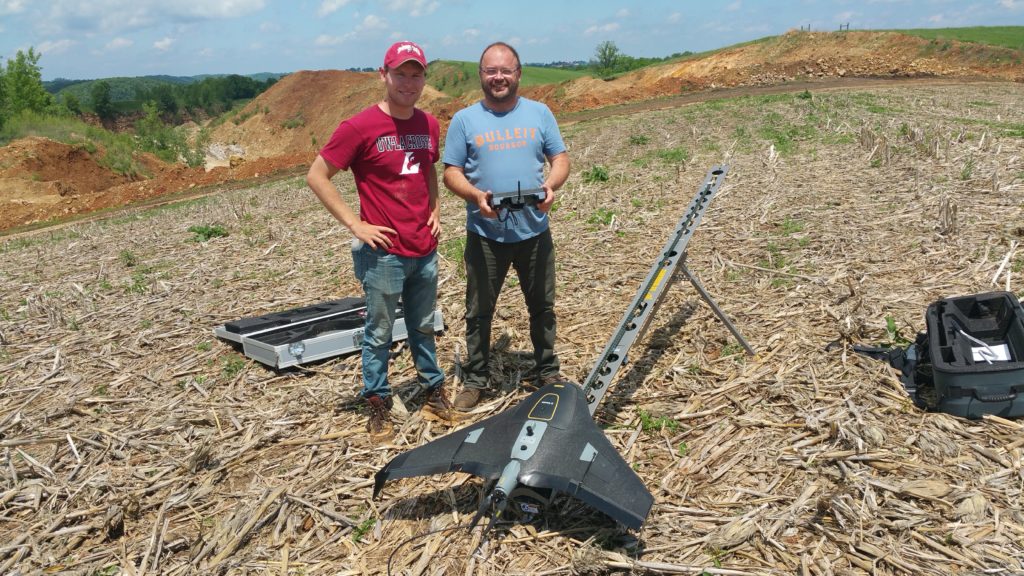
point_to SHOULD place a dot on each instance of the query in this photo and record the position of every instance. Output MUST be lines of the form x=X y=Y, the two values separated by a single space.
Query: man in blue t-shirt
x=501 y=144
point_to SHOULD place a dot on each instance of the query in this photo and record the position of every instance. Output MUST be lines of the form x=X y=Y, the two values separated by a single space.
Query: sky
x=86 y=39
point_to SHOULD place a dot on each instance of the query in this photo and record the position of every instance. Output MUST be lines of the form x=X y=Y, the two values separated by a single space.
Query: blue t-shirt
x=503 y=152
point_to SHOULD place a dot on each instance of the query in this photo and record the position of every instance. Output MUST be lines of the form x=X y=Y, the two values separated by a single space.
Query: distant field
x=454 y=78
x=1005 y=36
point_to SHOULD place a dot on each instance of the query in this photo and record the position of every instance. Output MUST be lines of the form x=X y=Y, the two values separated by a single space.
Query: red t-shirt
x=390 y=160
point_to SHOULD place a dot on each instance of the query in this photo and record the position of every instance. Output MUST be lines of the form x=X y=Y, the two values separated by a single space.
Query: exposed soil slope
x=791 y=57
x=283 y=127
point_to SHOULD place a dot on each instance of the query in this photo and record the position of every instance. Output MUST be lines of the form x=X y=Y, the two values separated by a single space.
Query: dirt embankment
x=282 y=129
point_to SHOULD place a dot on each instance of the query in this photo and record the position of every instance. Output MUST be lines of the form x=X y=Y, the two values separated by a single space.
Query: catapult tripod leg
x=711 y=302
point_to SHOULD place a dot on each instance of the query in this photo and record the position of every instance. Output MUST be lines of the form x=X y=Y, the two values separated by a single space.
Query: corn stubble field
x=133 y=441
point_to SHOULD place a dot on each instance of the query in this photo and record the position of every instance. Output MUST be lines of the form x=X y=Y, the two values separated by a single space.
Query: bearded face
x=499 y=75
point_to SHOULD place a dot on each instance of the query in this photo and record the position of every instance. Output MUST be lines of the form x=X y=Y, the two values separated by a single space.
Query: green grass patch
x=968 y=169
x=790 y=226
x=455 y=78
x=454 y=249
x=673 y=155
x=127 y=258
x=596 y=173
x=651 y=423
x=639 y=139
x=601 y=217
x=232 y=366
x=1005 y=36
x=296 y=121
x=206 y=232
x=892 y=331
x=783 y=134
x=364 y=527
x=138 y=284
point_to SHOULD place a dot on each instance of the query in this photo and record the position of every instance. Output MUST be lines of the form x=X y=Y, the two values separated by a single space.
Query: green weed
x=232 y=366
x=453 y=249
x=596 y=173
x=674 y=155
x=790 y=226
x=127 y=258
x=968 y=169
x=639 y=139
x=731 y=349
x=295 y=121
x=206 y=232
x=602 y=216
x=893 y=333
x=138 y=285
x=652 y=423
x=366 y=526
x=776 y=260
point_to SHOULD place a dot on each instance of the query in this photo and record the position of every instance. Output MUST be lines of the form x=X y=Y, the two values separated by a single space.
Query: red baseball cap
x=402 y=52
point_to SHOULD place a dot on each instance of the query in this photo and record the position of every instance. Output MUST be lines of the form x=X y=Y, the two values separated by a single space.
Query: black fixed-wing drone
x=549 y=443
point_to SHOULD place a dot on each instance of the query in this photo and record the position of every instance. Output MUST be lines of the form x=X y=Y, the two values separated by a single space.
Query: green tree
x=72 y=104
x=23 y=85
x=3 y=98
x=607 y=56
x=102 y=103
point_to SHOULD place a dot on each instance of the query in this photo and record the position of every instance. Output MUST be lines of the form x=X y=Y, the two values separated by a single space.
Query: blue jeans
x=386 y=277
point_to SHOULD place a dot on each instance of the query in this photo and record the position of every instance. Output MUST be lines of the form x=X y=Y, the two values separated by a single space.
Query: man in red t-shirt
x=391 y=148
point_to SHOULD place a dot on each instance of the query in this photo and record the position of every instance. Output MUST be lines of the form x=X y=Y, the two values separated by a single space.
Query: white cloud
x=414 y=8
x=845 y=17
x=467 y=36
x=735 y=6
x=675 y=17
x=119 y=15
x=324 y=40
x=163 y=44
x=270 y=27
x=937 y=18
x=372 y=22
x=55 y=47
x=118 y=43
x=11 y=7
x=330 y=6
x=1012 y=4
x=610 y=27
x=624 y=13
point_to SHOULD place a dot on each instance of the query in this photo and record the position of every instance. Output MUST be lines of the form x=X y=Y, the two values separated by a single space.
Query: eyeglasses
x=495 y=71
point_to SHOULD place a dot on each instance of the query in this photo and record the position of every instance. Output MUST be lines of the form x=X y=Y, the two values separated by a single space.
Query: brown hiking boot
x=467 y=399
x=379 y=424
x=438 y=407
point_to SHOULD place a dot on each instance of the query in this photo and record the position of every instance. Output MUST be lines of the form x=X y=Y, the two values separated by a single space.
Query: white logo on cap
x=407 y=48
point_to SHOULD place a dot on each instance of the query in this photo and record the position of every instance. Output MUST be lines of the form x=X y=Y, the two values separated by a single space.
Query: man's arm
x=319 y=179
x=557 y=176
x=456 y=181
